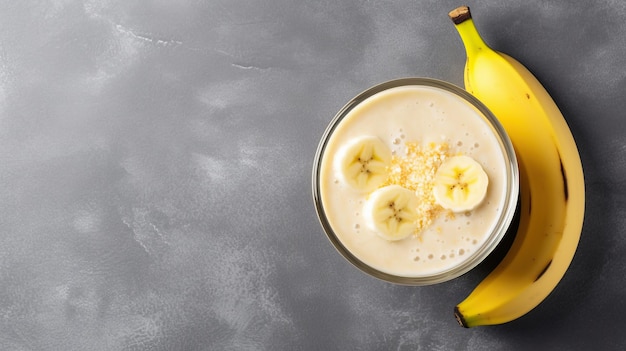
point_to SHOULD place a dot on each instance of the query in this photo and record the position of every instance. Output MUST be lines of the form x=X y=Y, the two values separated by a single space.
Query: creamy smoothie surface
x=414 y=132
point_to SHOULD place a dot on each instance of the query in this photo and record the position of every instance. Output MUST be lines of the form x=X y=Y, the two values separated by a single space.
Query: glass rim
x=503 y=221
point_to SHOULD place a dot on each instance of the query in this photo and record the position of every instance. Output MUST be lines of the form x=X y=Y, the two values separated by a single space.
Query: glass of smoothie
x=415 y=182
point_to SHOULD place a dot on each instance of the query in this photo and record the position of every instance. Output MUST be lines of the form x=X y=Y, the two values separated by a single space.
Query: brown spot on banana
x=565 y=189
x=543 y=271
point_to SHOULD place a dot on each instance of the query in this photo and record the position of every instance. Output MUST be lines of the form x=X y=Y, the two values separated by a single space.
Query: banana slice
x=363 y=163
x=391 y=212
x=460 y=184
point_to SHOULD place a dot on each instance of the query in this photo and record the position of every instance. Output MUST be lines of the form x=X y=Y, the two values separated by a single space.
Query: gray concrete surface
x=155 y=161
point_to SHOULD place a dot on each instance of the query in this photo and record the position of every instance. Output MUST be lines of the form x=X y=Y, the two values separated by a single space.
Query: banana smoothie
x=413 y=181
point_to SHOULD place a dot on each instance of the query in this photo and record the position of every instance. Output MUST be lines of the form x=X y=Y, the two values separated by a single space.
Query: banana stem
x=462 y=18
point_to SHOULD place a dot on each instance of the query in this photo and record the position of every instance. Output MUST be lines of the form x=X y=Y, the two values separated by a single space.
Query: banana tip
x=459 y=317
x=460 y=14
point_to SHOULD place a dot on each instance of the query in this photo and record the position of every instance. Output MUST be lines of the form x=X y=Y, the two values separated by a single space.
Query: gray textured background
x=155 y=161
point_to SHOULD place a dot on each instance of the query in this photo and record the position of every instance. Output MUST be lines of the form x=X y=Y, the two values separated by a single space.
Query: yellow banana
x=552 y=185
